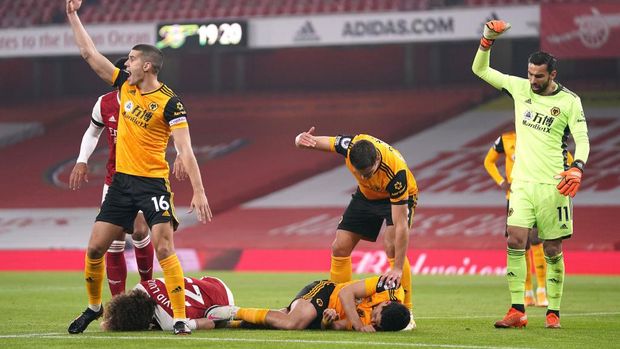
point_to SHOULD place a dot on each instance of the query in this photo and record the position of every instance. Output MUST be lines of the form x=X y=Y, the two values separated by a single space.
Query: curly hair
x=131 y=311
x=394 y=317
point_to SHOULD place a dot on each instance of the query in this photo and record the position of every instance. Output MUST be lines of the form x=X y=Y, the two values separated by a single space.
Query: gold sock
x=175 y=284
x=405 y=281
x=540 y=265
x=340 y=270
x=252 y=315
x=93 y=274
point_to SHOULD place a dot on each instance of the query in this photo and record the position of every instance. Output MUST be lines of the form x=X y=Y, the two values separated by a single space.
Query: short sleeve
x=119 y=77
x=397 y=188
x=498 y=146
x=175 y=113
x=341 y=144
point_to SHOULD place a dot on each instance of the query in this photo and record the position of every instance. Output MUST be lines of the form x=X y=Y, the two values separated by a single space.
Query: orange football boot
x=552 y=321
x=513 y=318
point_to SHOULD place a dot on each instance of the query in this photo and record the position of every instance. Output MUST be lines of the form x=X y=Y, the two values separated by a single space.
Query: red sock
x=144 y=257
x=116 y=268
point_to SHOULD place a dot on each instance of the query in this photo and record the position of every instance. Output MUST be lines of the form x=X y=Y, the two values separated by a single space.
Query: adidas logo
x=306 y=33
x=114 y=282
x=528 y=101
x=166 y=214
x=89 y=279
x=511 y=274
x=563 y=226
x=177 y=290
x=112 y=119
x=554 y=280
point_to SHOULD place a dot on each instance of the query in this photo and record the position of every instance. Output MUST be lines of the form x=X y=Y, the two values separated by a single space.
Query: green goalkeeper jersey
x=542 y=124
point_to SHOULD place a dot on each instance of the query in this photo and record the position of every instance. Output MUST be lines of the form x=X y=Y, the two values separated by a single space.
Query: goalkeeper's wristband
x=486 y=43
x=578 y=164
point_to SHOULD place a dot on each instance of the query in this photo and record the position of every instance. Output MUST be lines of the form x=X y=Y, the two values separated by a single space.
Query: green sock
x=515 y=273
x=555 y=280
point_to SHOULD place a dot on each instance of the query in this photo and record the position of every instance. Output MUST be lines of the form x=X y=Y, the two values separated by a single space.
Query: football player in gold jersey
x=149 y=113
x=361 y=305
x=387 y=191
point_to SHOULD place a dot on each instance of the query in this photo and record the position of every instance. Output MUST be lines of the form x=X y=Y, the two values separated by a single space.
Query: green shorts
x=541 y=205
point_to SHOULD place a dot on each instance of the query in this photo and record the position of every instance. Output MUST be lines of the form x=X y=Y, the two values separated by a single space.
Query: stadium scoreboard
x=201 y=35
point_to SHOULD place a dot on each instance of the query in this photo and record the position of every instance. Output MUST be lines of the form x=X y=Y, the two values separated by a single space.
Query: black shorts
x=318 y=294
x=365 y=217
x=128 y=194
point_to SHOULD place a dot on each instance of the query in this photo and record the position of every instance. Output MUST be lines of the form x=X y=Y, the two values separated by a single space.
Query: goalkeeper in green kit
x=543 y=182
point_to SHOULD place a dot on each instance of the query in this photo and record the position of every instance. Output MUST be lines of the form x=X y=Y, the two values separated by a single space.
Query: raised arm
x=101 y=65
x=182 y=143
x=306 y=140
x=481 y=66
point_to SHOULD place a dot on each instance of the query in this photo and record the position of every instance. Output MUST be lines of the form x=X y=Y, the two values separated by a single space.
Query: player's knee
x=552 y=248
x=516 y=239
x=140 y=233
x=340 y=249
x=140 y=229
x=164 y=252
x=95 y=252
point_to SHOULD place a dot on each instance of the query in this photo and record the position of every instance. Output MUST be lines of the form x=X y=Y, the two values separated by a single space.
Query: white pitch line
x=493 y=316
x=258 y=340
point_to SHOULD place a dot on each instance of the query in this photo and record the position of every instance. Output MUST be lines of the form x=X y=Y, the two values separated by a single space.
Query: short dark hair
x=152 y=55
x=131 y=311
x=120 y=63
x=394 y=317
x=363 y=154
x=541 y=57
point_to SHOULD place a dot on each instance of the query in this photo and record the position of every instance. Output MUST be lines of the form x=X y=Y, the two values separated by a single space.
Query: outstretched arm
x=306 y=140
x=199 y=202
x=101 y=65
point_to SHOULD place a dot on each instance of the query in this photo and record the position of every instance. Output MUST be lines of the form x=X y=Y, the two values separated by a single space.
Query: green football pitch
x=451 y=312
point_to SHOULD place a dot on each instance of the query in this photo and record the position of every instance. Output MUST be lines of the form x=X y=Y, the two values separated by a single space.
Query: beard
x=539 y=89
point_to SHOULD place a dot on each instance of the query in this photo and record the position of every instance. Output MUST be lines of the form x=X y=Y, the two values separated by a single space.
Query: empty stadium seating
x=35 y=12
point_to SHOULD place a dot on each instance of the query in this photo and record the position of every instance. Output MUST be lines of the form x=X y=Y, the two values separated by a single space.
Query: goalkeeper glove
x=571 y=179
x=492 y=30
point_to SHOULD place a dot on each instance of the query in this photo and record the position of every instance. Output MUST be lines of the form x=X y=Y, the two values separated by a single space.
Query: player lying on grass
x=147 y=306
x=362 y=305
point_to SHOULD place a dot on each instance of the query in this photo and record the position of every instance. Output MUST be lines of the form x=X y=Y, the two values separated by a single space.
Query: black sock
x=519 y=307
x=556 y=312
